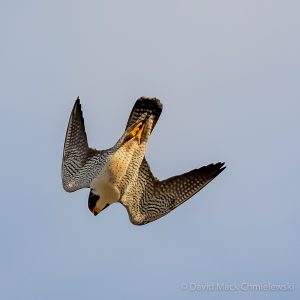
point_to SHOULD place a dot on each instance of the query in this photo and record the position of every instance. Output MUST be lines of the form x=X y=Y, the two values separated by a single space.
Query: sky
x=227 y=73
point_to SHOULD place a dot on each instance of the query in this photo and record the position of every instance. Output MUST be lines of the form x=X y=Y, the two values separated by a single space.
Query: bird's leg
x=136 y=132
x=139 y=134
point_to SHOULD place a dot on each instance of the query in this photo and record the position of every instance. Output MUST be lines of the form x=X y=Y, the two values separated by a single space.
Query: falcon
x=122 y=174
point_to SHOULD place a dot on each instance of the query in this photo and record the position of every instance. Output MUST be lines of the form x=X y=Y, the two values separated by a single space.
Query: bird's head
x=102 y=194
x=95 y=203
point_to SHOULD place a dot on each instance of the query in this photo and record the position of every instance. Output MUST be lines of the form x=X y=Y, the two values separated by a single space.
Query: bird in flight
x=122 y=174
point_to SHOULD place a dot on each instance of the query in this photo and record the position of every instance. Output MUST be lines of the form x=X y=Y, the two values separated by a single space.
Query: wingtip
x=77 y=104
x=222 y=164
x=215 y=168
x=221 y=167
x=77 y=111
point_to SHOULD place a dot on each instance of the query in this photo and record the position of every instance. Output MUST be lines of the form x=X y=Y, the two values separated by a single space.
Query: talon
x=139 y=134
x=137 y=131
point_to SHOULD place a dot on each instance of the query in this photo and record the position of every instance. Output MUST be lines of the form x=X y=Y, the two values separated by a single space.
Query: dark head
x=95 y=204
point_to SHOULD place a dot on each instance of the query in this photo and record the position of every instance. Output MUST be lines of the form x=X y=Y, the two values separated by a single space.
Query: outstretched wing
x=150 y=199
x=78 y=161
x=150 y=106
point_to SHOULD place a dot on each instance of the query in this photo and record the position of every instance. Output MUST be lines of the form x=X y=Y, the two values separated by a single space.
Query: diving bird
x=122 y=174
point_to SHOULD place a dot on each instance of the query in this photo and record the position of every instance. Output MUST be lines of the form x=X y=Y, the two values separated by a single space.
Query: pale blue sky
x=228 y=74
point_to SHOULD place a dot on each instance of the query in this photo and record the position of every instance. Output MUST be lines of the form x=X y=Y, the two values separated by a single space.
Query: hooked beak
x=94 y=212
x=93 y=198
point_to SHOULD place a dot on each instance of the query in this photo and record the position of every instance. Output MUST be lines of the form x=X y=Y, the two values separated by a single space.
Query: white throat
x=107 y=192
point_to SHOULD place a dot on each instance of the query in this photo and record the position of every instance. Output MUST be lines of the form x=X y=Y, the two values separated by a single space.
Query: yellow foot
x=137 y=131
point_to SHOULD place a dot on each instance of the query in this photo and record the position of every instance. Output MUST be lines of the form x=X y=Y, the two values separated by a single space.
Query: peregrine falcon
x=122 y=174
